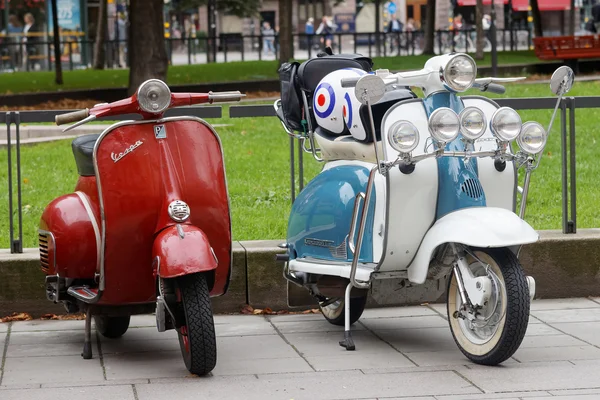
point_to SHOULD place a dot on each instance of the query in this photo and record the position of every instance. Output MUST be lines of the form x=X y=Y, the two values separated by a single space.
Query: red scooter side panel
x=131 y=180
x=75 y=238
x=183 y=255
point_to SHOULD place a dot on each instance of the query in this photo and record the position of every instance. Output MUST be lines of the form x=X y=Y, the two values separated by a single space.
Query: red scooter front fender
x=183 y=250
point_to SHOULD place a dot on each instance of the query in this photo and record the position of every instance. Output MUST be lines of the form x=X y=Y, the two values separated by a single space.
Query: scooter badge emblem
x=160 y=132
x=179 y=211
x=117 y=157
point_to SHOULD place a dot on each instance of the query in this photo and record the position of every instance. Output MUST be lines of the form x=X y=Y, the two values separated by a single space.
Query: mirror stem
x=525 y=191
x=372 y=122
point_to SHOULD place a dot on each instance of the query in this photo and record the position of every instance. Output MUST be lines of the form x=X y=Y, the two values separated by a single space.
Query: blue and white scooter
x=414 y=191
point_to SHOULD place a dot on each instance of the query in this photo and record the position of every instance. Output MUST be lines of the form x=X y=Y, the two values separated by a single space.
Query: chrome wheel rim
x=333 y=310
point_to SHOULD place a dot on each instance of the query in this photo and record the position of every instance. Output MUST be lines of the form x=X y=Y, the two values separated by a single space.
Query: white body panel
x=499 y=187
x=363 y=272
x=412 y=198
x=477 y=227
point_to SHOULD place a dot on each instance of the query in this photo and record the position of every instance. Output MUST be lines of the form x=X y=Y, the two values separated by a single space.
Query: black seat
x=83 y=150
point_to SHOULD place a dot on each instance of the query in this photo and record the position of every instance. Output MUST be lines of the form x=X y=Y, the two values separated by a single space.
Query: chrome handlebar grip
x=219 y=97
x=349 y=82
x=74 y=116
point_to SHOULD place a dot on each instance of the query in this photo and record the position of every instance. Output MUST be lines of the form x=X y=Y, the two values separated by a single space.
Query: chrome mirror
x=562 y=80
x=369 y=89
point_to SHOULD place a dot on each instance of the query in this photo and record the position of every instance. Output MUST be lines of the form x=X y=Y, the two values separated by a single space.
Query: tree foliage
x=241 y=8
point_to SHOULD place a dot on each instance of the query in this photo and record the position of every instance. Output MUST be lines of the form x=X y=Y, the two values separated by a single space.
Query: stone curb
x=562 y=265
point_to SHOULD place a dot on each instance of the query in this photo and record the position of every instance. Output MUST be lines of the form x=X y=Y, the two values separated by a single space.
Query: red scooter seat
x=83 y=151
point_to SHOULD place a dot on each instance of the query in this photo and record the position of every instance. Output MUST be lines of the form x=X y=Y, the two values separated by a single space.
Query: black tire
x=338 y=315
x=111 y=327
x=515 y=318
x=197 y=336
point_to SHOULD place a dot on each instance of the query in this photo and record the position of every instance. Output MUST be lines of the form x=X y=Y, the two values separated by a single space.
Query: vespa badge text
x=117 y=157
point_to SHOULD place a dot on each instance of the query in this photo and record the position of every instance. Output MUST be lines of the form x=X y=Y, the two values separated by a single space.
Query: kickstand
x=87 y=344
x=348 y=343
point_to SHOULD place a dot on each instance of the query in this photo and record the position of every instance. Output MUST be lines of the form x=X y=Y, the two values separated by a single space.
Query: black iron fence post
x=573 y=163
x=16 y=245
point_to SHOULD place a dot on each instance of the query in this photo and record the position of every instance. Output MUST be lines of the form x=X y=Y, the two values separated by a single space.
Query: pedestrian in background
x=309 y=30
x=30 y=39
x=122 y=37
x=268 y=38
x=11 y=41
x=394 y=28
x=326 y=29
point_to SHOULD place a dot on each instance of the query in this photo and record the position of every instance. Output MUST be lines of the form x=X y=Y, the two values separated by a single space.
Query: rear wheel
x=494 y=332
x=197 y=333
x=335 y=312
x=111 y=327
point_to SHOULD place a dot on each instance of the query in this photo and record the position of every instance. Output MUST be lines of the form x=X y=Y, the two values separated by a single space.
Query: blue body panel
x=322 y=213
x=459 y=185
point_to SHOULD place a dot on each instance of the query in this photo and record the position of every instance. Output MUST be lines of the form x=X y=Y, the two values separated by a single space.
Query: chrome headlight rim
x=142 y=97
x=451 y=84
x=395 y=128
x=434 y=119
x=466 y=133
x=526 y=147
x=502 y=134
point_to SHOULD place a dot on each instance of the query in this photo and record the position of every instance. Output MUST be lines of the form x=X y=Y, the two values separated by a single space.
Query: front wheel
x=335 y=313
x=112 y=327
x=493 y=333
x=197 y=333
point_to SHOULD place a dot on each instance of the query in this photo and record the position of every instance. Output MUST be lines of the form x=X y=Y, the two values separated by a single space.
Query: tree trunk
x=377 y=24
x=479 y=30
x=211 y=48
x=537 y=18
x=57 y=61
x=327 y=8
x=572 y=16
x=148 y=56
x=430 y=28
x=286 y=39
x=99 y=51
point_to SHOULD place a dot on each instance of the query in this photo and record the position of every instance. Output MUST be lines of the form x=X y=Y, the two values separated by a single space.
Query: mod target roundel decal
x=347 y=110
x=324 y=100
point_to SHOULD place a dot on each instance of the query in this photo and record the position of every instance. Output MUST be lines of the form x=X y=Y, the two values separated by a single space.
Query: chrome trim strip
x=102 y=284
x=88 y=208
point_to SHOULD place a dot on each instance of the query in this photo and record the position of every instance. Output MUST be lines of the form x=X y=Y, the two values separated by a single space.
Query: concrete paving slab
x=148 y=333
x=122 y=392
x=439 y=308
x=3 y=327
x=533 y=376
x=29 y=370
x=541 y=330
x=243 y=319
x=326 y=344
x=490 y=396
x=587 y=331
x=255 y=326
x=415 y=340
x=444 y=357
x=312 y=386
x=123 y=345
x=405 y=322
x=142 y=321
x=549 y=341
x=575 y=392
x=51 y=325
x=354 y=360
x=533 y=320
x=312 y=326
x=297 y=317
x=163 y=364
x=47 y=350
x=563 y=304
x=568 y=397
x=561 y=316
x=48 y=337
x=261 y=366
x=557 y=353
x=253 y=347
x=387 y=312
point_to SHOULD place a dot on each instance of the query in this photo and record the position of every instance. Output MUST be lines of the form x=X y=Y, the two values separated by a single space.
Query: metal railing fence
x=567 y=106
x=78 y=52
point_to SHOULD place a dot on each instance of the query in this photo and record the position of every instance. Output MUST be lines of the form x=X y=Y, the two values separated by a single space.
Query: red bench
x=567 y=47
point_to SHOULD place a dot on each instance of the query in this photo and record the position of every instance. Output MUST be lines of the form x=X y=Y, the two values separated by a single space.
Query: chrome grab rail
x=361 y=230
x=351 y=244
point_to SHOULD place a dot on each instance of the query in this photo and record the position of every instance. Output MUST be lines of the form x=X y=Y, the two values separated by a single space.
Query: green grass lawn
x=26 y=82
x=257 y=162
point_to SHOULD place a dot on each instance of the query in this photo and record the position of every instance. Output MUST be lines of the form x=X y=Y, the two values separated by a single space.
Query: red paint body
x=134 y=193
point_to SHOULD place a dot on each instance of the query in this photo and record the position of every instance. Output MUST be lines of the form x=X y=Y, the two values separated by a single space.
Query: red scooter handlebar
x=74 y=116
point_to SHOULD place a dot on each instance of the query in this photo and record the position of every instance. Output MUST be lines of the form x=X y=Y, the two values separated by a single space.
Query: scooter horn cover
x=333 y=105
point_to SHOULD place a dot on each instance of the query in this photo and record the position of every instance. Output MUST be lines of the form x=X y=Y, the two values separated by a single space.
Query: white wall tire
x=493 y=343
x=335 y=313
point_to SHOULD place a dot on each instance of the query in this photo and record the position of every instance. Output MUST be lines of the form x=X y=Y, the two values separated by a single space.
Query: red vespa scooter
x=148 y=227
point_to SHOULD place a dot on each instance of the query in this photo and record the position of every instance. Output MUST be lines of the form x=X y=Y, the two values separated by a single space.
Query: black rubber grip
x=74 y=116
x=495 y=88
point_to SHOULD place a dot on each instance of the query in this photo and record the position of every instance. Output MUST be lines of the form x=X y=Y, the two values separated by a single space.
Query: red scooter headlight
x=154 y=96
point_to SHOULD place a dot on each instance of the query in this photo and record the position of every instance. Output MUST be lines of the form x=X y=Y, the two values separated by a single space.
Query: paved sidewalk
x=402 y=352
